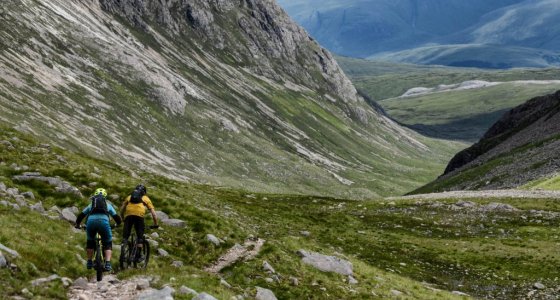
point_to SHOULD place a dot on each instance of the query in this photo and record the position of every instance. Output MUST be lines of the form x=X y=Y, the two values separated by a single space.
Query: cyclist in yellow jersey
x=133 y=210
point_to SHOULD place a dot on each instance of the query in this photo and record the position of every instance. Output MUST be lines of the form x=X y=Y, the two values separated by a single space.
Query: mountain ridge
x=225 y=92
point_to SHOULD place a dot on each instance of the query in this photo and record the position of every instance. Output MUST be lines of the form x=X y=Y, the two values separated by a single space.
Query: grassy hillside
x=414 y=249
x=457 y=115
x=465 y=114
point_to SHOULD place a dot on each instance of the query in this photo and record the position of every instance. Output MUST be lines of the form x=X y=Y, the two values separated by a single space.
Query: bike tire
x=146 y=252
x=123 y=259
x=98 y=264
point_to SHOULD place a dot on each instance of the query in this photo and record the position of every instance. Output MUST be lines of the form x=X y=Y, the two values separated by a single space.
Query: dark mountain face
x=364 y=27
x=522 y=147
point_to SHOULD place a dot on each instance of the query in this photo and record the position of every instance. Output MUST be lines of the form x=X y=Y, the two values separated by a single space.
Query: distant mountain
x=522 y=147
x=454 y=31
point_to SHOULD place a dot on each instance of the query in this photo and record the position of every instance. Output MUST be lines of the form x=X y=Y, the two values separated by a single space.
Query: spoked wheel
x=127 y=255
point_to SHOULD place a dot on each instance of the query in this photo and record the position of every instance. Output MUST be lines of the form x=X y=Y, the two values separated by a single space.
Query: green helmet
x=100 y=191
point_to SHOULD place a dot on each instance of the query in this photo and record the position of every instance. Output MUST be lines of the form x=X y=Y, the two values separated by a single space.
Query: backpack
x=99 y=205
x=136 y=197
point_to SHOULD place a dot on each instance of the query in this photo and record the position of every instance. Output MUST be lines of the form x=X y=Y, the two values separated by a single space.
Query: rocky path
x=540 y=194
x=113 y=288
x=248 y=250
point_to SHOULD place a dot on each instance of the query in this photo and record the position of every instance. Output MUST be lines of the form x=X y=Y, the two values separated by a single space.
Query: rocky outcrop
x=326 y=263
x=263 y=36
x=60 y=185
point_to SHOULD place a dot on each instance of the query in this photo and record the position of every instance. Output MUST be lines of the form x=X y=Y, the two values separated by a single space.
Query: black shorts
x=138 y=223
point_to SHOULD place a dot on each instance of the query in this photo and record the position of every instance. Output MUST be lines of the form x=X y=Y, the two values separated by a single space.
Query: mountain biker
x=97 y=213
x=133 y=210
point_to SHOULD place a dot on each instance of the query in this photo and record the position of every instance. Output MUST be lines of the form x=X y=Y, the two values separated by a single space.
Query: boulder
x=162 y=252
x=539 y=286
x=75 y=210
x=204 y=296
x=165 y=293
x=183 y=290
x=80 y=283
x=268 y=268
x=161 y=215
x=225 y=283
x=4 y=203
x=3 y=261
x=264 y=294
x=60 y=185
x=55 y=209
x=11 y=252
x=305 y=233
x=352 y=280
x=142 y=284
x=498 y=207
x=177 y=263
x=20 y=200
x=213 y=239
x=326 y=263
x=154 y=235
x=28 y=195
x=12 y=191
x=2 y=187
x=41 y=281
x=174 y=223
x=153 y=244
x=38 y=207
x=68 y=215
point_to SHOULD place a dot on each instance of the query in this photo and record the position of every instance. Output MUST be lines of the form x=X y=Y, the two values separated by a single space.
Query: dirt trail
x=484 y=194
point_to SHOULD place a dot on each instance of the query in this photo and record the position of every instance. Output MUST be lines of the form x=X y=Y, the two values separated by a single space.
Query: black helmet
x=141 y=188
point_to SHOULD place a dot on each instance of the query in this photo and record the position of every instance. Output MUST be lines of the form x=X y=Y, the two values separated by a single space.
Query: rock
x=161 y=215
x=38 y=207
x=294 y=281
x=2 y=187
x=75 y=210
x=3 y=261
x=60 y=186
x=213 y=239
x=12 y=192
x=174 y=223
x=142 y=284
x=68 y=215
x=20 y=200
x=396 y=293
x=539 y=286
x=4 y=203
x=28 y=195
x=15 y=206
x=55 y=209
x=154 y=235
x=264 y=294
x=305 y=233
x=498 y=207
x=153 y=243
x=11 y=252
x=80 y=283
x=460 y=293
x=269 y=280
x=204 y=296
x=326 y=263
x=225 y=283
x=27 y=293
x=177 y=263
x=164 y=294
x=41 y=281
x=162 y=253
x=66 y=282
x=268 y=268
x=114 y=197
x=465 y=204
x=183 y=290
x=83 y=297
x=352 y=280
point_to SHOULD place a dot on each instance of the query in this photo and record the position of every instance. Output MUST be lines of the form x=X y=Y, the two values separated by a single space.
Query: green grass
x=406 y=246
x=456 y=115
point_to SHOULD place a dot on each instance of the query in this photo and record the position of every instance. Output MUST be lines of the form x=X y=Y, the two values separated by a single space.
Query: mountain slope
x=399 y=248
x=521 y=147
x=227 y=92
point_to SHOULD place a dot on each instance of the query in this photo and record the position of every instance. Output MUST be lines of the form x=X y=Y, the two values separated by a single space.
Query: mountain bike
x=130 y=252
x=99 y=256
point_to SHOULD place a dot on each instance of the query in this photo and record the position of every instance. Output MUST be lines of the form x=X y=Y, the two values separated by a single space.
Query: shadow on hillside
x=467 y=130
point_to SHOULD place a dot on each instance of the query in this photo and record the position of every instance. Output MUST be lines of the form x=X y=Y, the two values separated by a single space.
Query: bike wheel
x=98 y=264
x=146 y=253
x=123 y=259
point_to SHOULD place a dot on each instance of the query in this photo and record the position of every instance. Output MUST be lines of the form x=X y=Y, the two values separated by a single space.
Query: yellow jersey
x=137 y=209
